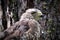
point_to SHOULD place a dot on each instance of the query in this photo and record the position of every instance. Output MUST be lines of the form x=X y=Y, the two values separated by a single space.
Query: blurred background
x=11 y=11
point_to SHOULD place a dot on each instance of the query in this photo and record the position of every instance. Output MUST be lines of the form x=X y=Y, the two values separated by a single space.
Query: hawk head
x=36 y=13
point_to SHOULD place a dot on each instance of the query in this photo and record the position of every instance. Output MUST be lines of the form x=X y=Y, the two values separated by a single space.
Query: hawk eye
x=33 y=12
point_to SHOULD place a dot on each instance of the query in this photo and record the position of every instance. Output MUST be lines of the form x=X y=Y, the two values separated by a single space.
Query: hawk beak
x=40 y=14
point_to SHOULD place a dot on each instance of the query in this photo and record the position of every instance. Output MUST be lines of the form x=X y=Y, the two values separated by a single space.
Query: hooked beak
x=40 y=14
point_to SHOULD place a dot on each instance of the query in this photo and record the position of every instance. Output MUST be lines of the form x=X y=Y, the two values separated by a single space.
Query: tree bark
x=1 y=26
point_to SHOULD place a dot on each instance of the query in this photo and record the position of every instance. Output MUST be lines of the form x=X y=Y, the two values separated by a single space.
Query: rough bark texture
x=1 y=26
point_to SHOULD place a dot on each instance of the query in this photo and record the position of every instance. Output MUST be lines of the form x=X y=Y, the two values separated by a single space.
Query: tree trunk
x=1 y=26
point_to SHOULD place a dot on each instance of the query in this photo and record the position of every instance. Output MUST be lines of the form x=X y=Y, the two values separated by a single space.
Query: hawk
x=28 y=25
